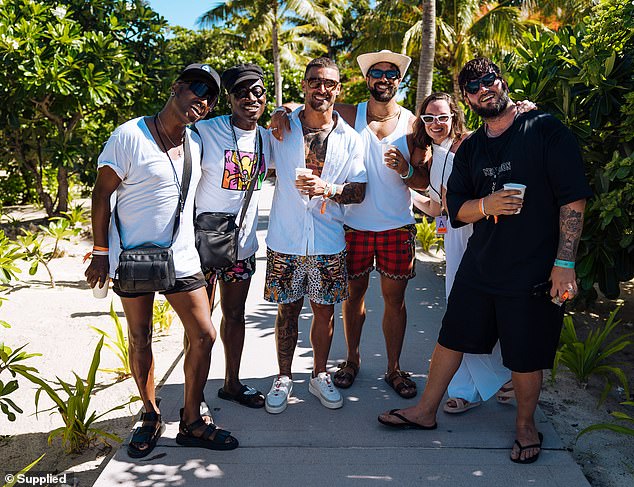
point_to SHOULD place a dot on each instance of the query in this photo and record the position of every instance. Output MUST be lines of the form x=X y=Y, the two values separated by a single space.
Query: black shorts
x=183 y=284
x=528 y=327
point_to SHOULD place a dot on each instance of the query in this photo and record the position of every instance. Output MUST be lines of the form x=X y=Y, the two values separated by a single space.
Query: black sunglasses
x=329 y=84
x=257 y=91
x=389 y=73
x=487 y=81
x=203 y=90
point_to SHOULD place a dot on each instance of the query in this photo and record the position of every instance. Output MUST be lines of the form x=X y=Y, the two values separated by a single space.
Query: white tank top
x=387 y=203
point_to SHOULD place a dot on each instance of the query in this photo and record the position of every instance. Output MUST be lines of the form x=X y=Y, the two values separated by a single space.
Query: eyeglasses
x=429 y=119
x=257 y=91
x=329 y=84
x=487 y=81
x=389 y=73
x=203 y=90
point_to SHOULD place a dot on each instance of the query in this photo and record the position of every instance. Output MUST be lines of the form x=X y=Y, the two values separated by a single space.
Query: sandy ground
x=55 y=323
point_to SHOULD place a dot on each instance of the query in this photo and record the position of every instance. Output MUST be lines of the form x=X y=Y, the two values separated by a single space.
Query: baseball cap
x=201 y=72
x=242 y=72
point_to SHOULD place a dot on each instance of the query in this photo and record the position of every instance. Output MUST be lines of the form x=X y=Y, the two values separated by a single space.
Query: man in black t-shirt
x=518 y=246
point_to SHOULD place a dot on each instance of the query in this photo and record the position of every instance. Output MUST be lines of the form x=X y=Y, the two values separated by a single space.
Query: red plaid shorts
x=394 y=251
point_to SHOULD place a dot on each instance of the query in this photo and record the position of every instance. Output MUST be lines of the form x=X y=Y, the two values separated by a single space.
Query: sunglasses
x=203 y=90
x=487 y=81
x=329 y=84
x=389 y=73
x=256 y=91
x=429 y=119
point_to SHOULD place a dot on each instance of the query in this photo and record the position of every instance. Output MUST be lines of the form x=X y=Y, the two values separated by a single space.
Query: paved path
x=309 y=445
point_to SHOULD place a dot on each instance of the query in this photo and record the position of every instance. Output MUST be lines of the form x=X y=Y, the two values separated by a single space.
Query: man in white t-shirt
x=380 y=229
x=235 y=152
x=143 y=164
x=306 y=240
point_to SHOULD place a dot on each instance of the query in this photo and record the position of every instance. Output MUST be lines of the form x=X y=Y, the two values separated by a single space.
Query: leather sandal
x=506 y=394
x=212 y=437
x=247 y=396
x=457 y=405
x=399 y=381
x=345 y=376
x=145 y=435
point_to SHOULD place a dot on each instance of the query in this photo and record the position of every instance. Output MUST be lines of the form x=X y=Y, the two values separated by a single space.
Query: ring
x=273 y=129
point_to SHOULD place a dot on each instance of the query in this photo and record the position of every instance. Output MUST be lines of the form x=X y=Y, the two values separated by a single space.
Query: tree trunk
x=277 y=72
x=427 y=52
x=456 y=87
x=62 y=189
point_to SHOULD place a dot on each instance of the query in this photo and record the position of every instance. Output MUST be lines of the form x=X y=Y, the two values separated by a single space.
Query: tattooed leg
x=286 y=334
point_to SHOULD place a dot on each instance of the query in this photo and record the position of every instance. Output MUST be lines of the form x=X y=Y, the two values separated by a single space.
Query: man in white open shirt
x=235 y=151
x=306 y=240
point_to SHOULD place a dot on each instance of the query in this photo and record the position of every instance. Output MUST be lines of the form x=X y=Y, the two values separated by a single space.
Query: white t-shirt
x=387 y=203
x=221 y=188
x=296 y=225
x=456 y=238
x=147 y=197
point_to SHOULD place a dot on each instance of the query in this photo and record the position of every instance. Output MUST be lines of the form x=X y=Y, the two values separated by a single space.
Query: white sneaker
x=277 y=398
x=322 y=387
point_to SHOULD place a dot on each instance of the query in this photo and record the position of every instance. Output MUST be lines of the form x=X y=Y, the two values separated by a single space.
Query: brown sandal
x=346 y=374
x=506 y=394
x=399 y=381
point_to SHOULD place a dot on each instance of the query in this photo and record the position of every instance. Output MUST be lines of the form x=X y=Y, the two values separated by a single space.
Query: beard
x=321 y=105
x=496 y=109
x=385 y=95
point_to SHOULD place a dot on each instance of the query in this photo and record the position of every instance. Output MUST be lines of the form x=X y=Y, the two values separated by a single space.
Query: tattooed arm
x=351 y=193
x=570 y=226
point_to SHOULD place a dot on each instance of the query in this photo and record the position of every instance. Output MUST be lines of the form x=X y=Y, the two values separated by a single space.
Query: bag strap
x=254 y=181
x=182 y=196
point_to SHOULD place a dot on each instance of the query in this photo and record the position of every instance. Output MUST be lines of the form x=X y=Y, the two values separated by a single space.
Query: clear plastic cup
x=101 y=292
x=519 y=187
x=302 y=171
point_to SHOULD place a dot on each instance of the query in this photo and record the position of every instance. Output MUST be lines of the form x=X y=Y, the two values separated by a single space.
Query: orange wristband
x=97 y=247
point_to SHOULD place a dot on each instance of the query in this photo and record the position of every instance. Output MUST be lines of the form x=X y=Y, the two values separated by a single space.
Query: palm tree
x=427 y=52
x=263 y=23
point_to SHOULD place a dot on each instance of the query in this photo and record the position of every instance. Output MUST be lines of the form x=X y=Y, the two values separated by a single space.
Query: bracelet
x=97 y=247
x=99 y=252
x=410 y=172
x=481 y=205
x=566 y=264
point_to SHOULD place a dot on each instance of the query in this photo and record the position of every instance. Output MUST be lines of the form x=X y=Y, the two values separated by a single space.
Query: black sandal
x=145 y=435
x=346 y=374
x=399 y=381
x=186 y=437
x=247 y=396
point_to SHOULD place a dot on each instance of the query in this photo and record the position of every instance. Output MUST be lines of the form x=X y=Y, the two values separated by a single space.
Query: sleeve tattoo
x=351 y=193
x=570 y=226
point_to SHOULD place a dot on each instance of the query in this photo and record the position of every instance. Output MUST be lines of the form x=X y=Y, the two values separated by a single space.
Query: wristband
x=97 y=247
x=481 y=205
x=279 y=109
x=410 y=172
x=566 y=264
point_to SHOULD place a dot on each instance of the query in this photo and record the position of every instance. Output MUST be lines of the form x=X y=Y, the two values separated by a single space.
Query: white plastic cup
x=101 y=292
x=519 y=187
x=302 y=171
x=386 y=146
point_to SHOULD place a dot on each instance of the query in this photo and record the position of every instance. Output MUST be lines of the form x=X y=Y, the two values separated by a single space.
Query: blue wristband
x=410 y=172
x=566 y=264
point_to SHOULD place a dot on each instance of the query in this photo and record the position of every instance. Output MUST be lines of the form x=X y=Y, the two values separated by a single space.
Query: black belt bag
x=217 y=238
x=150 y=268
x=146 y=269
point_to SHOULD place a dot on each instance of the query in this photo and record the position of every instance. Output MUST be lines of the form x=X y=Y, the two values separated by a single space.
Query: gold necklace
x=383 y=119
x=178 y=146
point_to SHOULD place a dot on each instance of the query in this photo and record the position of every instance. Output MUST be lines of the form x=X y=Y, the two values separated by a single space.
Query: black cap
x=242 y=72
x=201 y=72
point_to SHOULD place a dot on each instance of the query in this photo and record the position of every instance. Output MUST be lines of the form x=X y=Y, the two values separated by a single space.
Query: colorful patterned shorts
x=323 y=278
x=394 y=251
x=242 y=271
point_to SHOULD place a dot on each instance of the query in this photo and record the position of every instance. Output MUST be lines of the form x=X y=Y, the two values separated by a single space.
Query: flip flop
x=527 y=447
x=247 y=396
x=461 y=405
x=406 y=423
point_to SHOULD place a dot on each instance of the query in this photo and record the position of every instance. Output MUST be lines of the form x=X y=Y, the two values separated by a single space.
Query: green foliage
x=426 y=235
x=118 y=344
x=162 y=316
x=24 y=470
x=593 y=356
x=9 y=255
x=32 y=247
x=78 y=432
x=585 y=76
x=617 y=428
x=11 y=361
x=77 y=215
x=59 y=229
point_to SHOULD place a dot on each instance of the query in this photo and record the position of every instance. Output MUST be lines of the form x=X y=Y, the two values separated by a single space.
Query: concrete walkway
x=309 y=445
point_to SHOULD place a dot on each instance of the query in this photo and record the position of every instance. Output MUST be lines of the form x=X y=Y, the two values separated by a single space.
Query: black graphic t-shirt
x=510 y=257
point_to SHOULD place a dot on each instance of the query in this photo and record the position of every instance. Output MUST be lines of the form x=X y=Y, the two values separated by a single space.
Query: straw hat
x=366 y=61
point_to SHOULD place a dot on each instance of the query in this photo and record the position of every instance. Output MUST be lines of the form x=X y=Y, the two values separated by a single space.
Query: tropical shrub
x=118 y=344
x=426 y=235
x=617 y=428
x=162 y=316
x=10 y=360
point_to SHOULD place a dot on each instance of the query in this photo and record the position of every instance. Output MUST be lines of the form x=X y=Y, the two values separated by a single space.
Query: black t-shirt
x=510 y=257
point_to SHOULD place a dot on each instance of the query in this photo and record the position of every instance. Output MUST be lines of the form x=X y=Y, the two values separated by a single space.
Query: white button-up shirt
x=296 y=225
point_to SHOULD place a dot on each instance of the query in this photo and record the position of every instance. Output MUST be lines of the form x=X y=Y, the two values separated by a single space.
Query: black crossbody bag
x=217 y=235
x=149 y=267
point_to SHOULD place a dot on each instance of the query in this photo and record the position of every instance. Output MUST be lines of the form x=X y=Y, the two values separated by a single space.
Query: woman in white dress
x=438 y=132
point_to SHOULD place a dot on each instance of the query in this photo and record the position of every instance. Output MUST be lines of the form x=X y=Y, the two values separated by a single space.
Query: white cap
x=367 y=60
